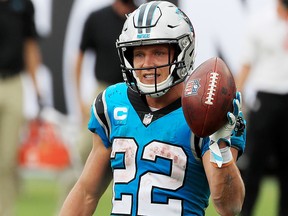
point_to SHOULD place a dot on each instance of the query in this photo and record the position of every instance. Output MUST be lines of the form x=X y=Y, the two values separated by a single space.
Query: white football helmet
x=157 y=22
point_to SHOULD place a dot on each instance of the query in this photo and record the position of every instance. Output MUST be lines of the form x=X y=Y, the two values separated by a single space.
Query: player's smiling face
x=151 y=56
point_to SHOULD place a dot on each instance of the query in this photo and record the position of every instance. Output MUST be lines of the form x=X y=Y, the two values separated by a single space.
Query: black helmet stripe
x=150 y=15
x=148 y=19
x=141 y=17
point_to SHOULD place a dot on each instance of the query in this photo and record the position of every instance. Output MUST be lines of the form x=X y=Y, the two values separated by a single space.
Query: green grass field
x=40 y=196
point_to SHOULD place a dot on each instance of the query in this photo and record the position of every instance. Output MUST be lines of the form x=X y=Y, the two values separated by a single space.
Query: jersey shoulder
x=109 y=97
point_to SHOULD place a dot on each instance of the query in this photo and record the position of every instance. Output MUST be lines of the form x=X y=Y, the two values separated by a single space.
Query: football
x=208 y=96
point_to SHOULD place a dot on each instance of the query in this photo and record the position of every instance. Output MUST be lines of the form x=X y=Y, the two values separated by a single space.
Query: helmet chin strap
x=158 y=94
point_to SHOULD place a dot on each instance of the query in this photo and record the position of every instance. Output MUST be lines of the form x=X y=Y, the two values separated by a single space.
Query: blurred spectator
x=101 y=30
x=265 y=64
x=18 y=53
x=98 y=37
x=79 y=12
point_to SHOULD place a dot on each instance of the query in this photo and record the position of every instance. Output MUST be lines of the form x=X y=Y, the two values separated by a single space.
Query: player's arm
x=95 y=178
x=227 y=144
x=226 y=185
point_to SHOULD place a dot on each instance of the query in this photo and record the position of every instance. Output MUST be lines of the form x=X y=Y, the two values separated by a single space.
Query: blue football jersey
x=155 y=169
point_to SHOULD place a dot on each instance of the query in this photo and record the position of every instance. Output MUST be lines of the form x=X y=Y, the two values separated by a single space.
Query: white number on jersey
x=149 y=180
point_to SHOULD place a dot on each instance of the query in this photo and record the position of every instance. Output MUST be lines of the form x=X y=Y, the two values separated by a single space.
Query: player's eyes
x=160 y=53
x=138 y=55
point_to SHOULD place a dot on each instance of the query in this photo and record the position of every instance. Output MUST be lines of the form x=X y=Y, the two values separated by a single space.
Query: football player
x=141 y=139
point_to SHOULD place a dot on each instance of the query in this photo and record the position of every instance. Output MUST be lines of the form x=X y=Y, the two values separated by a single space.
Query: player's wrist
x=223 y=159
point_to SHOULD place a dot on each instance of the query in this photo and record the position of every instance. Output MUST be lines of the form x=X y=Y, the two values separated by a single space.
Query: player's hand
x=224 y=133
x=238 y=136
x=221 y=155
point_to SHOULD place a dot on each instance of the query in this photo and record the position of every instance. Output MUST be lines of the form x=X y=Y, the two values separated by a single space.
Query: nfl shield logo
x=147 y=119
x=192 y=87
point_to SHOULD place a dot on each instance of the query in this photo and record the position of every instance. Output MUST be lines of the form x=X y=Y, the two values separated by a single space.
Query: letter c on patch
x=120 y=113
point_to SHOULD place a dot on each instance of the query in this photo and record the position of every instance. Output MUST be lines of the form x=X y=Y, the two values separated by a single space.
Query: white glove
x=223 y=156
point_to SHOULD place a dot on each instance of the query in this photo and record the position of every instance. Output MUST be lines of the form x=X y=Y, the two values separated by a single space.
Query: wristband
x=220 y=157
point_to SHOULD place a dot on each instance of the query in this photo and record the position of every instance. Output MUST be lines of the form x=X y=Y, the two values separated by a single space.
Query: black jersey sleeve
x=100 y=109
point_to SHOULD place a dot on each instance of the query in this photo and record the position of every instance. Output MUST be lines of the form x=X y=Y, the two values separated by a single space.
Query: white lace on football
x=212 y=88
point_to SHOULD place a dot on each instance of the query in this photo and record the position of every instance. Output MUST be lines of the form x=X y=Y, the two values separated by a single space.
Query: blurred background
x=47 y=172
